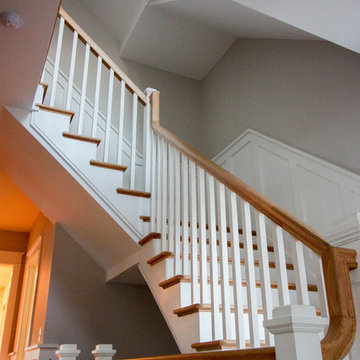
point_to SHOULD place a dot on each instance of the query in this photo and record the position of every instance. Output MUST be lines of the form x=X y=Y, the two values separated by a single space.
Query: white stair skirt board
x=312 y=189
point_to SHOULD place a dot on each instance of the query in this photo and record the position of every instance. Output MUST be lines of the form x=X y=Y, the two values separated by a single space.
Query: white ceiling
x=186 y=37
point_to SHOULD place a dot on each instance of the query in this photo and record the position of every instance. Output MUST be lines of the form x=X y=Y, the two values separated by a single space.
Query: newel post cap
x=104 y=352
x=68 y=351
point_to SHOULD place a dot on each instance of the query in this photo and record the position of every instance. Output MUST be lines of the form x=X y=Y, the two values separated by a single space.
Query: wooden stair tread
x=241 y=245
x=221 y=345
x=195 y=308
x=186 y=278
x=82 y=138
x=147 y=219
x=130 y=192
x=272 y=264
x=159 y=257
x=263 y=353
x=56 y=110
x=149 y=237
x=108 y=165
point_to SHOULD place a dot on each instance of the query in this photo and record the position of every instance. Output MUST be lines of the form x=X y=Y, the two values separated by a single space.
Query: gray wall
x=83 y=309
x=304 y=93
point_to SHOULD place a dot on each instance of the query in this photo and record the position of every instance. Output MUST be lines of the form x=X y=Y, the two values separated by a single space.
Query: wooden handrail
x=98 y=51
x=336 y=261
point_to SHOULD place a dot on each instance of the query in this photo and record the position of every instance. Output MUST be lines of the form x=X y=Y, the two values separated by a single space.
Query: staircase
x=217 y=256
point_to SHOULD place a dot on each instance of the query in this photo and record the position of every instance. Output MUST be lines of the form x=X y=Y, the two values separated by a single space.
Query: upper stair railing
x=110 y=85
x=188 y=188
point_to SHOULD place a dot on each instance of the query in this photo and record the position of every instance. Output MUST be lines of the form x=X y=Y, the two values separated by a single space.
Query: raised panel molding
x=312 y=189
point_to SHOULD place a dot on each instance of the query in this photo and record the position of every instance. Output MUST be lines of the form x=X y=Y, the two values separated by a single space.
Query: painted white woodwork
x=97 y=98
x=224 y=262
x=250 y=274
x=68 y=352
x=202 y=236
x=185 y=215
x=133 y=141
x=159 y=184
x=108 y=124
x=264 y=273
x=103 y=352
x=171 y=197
x=314 y=190
x=280 y=260
x=83 y=89
x=41 y=352
x=195 y=294
x=236 y=270
x=297 y=332
x=300 y=272
x=71 y=71
x=57 y=61
x=146 y=141
x=177 y=245
x=154 y=194
x=215 y=301
x=101 y=124
x=164 y=203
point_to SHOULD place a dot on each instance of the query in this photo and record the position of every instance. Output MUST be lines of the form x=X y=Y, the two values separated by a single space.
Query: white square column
x=297 y=330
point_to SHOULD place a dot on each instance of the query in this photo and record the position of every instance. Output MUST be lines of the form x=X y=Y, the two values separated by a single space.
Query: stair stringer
x=117 y=241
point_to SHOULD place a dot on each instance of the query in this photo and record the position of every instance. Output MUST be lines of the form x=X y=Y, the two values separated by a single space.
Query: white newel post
x=103 y=352
x=68 y=352
x=296 y=329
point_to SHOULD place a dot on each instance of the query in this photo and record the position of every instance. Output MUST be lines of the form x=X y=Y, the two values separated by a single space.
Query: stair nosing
x=108 y=165
x=56 y=110
x=149 y=237
x=137 y=193
x=89 y=139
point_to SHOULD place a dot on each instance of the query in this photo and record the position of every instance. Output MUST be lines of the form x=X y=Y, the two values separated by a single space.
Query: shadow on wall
x=84 y=310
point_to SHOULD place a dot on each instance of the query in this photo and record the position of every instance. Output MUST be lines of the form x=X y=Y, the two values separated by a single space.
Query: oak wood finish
x=336 y=261
x=149 y=237
x=56 y=110
x=219 y=345
x=144 y=218
x=82 y=138
x=266 y=353
x=107 y=165
x=130 y=192
x=159 y=257
x=46 y=87
x=106 y=59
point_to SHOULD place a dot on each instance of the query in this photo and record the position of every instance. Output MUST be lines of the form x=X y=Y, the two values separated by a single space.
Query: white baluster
x=121 y=129
x=83 y=89
x=224 y=262
x=320 y=281
x=108 y=117
x=236 y=267
x=202 y=237
x=97 y=96
x=300 y=272
x=171 y=208
x=264 y=273
x=280 y=261
x=214 y=287
x=250 y=275
x=154 y=193
x=159 y=185
x=185 y=215
x=164 y=182
x=72 y=70
x=133 y=142
x=57 y=61
x=146 y=145
x=193 y=235
x=177 y=249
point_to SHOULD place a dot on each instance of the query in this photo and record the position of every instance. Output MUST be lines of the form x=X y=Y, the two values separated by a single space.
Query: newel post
x=103 y=352
x=68 y=352
x=155 y=106
x=296 y=329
